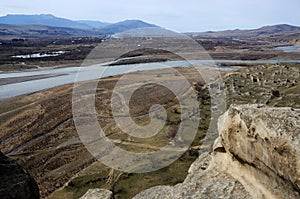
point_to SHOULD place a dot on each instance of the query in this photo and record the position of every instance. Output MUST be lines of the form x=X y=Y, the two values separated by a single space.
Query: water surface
x=57 y=77
x=290 y=49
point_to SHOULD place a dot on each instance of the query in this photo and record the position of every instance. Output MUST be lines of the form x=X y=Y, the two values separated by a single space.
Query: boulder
x=15 y=181
x=97 y=194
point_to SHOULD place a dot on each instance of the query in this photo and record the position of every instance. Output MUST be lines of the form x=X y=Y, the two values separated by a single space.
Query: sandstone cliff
x=255 y=156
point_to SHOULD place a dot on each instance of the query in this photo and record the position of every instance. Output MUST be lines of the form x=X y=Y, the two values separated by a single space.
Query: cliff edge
x=255 y=156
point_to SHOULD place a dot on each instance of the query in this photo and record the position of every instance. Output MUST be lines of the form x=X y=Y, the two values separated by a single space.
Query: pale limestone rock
x=267 y=138
x=97 y=194
x=203 y=181
x=246 y=162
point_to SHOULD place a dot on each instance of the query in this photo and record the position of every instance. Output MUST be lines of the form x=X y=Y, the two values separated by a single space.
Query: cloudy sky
x=177 y=15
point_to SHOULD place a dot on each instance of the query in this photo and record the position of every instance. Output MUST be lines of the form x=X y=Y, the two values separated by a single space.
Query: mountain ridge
x=124 y=26
x=41 y=19
x=265 y=30
x=49 y=24
x=53 y=21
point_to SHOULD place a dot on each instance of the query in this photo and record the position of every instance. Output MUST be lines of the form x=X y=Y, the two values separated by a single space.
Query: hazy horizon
x=192 y=16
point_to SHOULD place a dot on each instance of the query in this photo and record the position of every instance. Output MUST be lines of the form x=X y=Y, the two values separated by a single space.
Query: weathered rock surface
x=266 y=138
x=255 y=156
x=15 y=181
x=97 y=194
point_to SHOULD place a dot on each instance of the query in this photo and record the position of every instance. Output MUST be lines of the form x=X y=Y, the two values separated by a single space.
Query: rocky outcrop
x=15 y=181
x=266 y=138
x=97 y=194
x=255 y=156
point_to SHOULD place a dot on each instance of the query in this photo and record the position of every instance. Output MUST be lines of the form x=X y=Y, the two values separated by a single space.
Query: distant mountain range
x=263 y=31
x=43 y=19
x=94 y=24
x=50 y=25
x=124 y=26
x=275 y=33
x=46 y=24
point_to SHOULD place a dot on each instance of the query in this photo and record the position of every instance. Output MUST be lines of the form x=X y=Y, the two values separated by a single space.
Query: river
x=290 y=49
x=18 y=83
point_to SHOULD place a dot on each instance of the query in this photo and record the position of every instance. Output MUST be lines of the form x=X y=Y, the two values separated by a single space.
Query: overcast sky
x=177 y=15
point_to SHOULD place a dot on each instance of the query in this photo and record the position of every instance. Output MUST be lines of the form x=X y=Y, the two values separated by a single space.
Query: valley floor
x=38 y=130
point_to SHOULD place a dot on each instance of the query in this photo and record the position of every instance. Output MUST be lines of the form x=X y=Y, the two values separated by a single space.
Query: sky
x=176 y=15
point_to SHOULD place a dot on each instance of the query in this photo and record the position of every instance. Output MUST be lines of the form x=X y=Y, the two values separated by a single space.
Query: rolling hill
x=275 y=33
x=40 y=31
x=263 y=31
